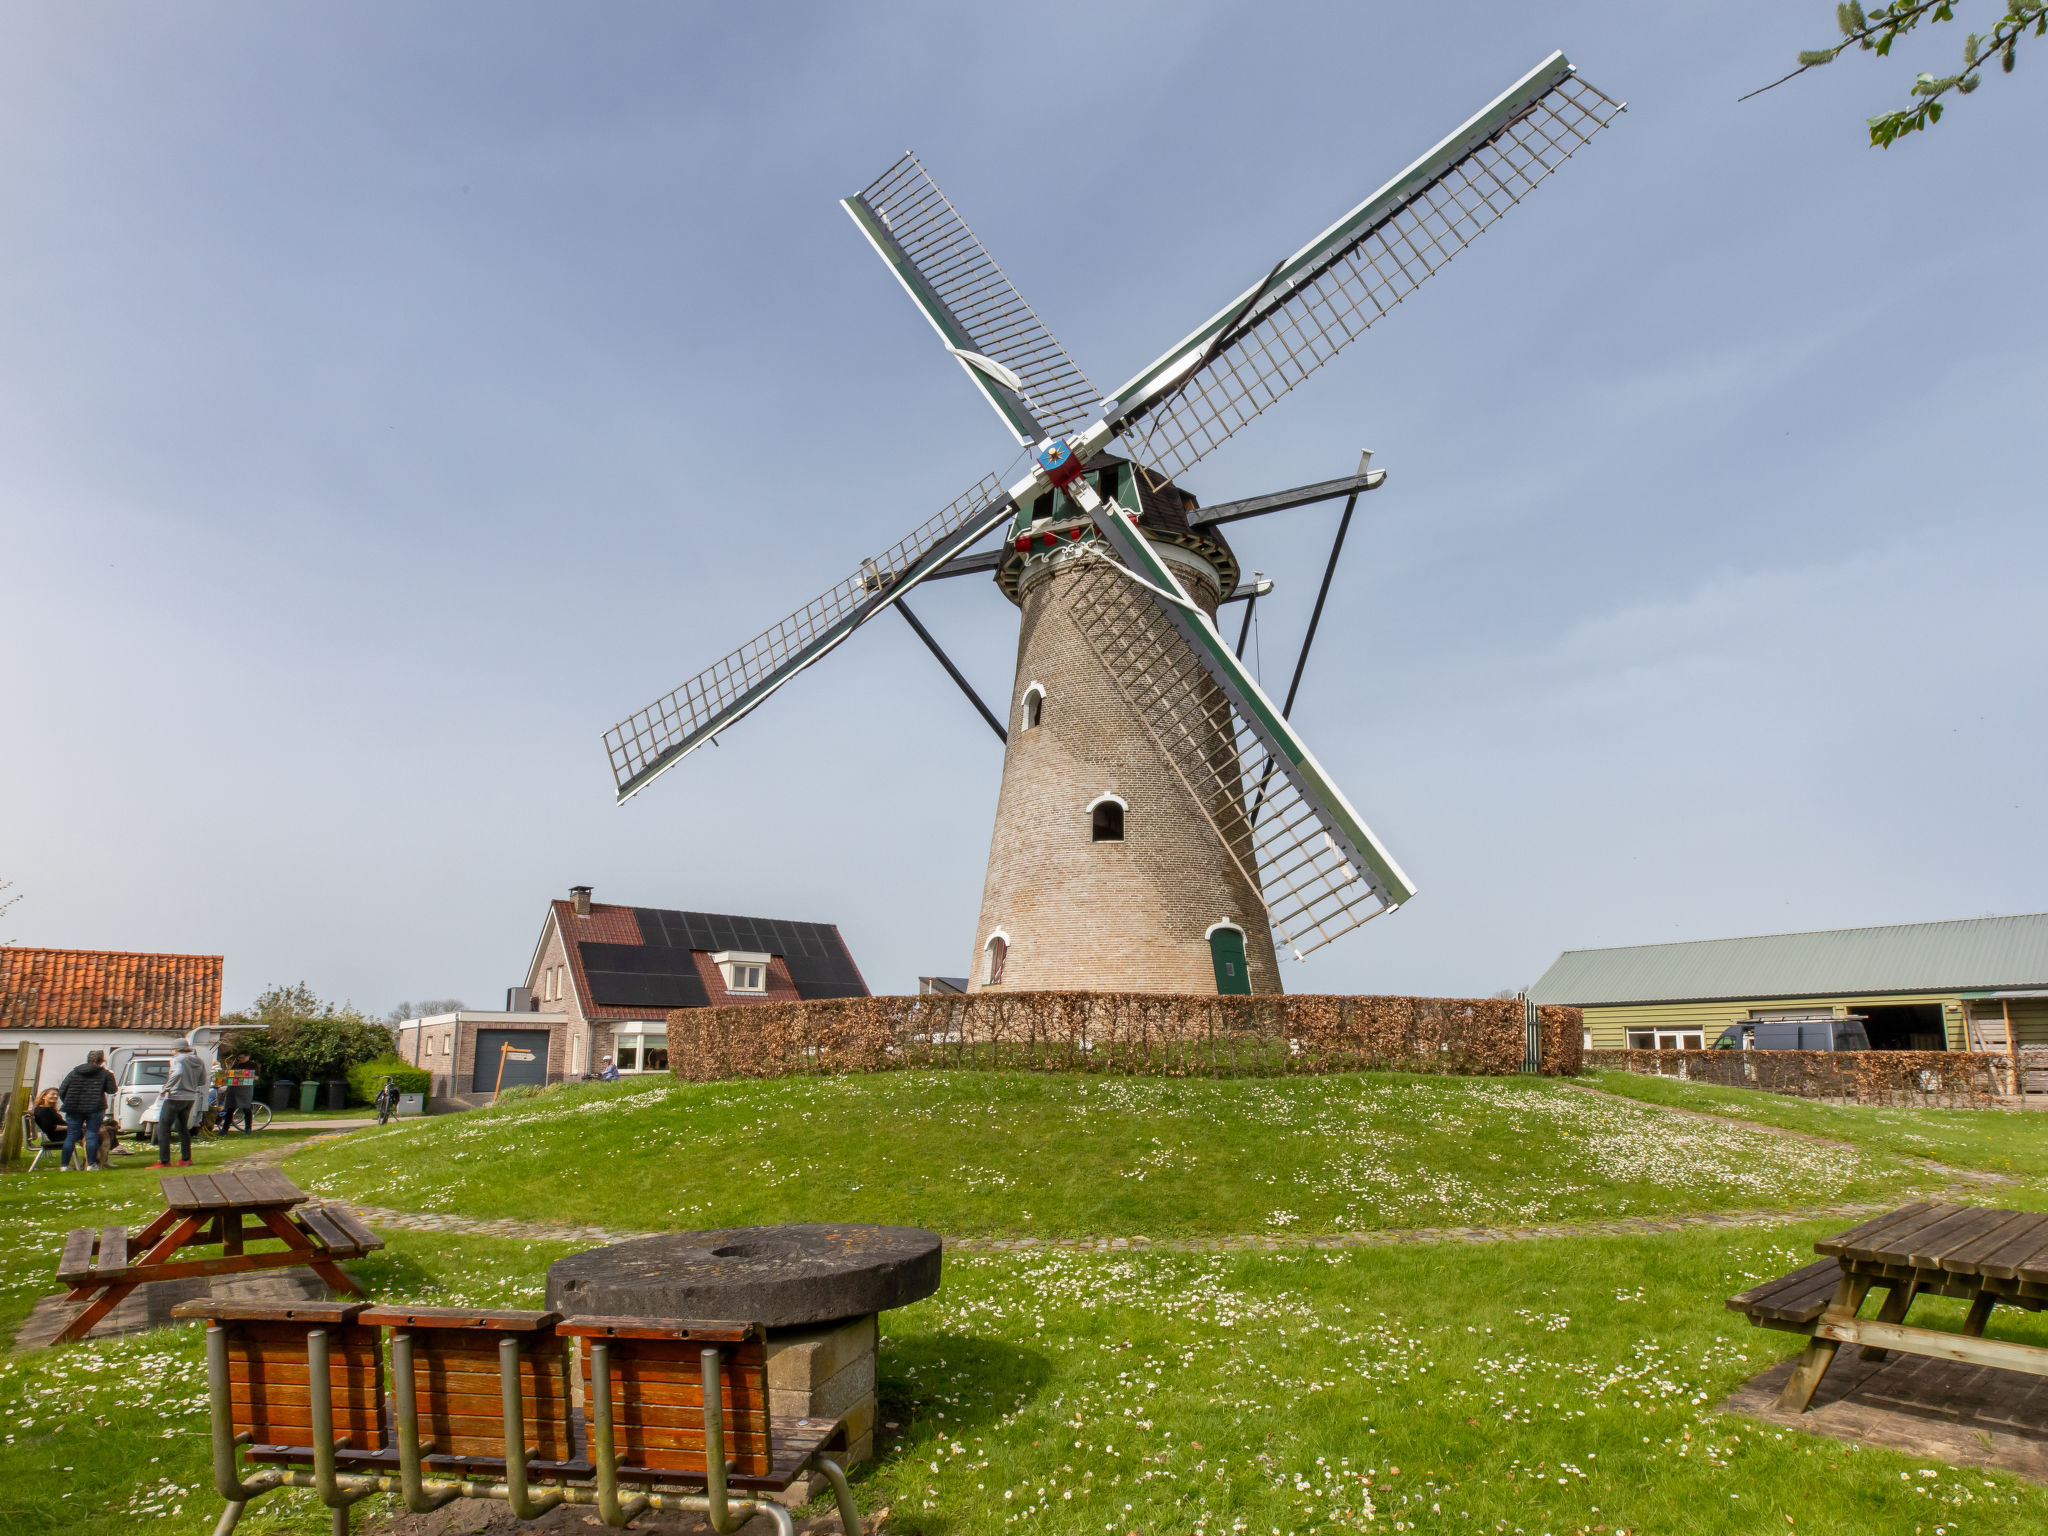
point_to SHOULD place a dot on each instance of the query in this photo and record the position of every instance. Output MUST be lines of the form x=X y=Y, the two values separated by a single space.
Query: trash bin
x=337 y=1093
x=281 y=1091
x=309 y=1096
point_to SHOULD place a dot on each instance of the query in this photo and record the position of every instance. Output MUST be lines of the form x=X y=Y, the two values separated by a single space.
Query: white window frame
x=1025 y=722
x=737 y=965
x=988 y=956
x=641 y=1035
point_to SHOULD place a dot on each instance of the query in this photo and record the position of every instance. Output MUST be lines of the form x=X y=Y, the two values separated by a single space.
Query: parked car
x=1794 y=1035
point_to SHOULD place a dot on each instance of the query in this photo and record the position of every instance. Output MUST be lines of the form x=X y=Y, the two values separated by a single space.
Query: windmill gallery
x=1161 y=826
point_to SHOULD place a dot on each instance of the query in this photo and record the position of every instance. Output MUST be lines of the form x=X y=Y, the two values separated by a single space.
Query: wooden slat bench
x=1987 y=1257
x=481 y=1408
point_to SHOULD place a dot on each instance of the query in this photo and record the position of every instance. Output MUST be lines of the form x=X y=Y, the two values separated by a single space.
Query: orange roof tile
x=101 y=989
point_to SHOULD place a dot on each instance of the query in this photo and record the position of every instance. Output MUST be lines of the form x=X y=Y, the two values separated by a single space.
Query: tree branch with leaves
x=1876 y=31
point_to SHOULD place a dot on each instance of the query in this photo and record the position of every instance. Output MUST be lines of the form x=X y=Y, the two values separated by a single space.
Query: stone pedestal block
x=826 y=1373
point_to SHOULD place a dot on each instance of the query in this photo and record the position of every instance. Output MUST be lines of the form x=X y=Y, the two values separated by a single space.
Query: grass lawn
x=1994 y=1142
x=1557 y=1386
x=1054 y=1155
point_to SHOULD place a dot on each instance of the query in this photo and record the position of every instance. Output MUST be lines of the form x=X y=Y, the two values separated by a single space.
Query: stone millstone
x=794 y=1276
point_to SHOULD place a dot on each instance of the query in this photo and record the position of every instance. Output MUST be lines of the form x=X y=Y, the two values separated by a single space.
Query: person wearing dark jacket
x=83 y=1096
x=49 y=1115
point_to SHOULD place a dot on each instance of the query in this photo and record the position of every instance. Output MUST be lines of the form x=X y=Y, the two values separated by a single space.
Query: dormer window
x=743 y=972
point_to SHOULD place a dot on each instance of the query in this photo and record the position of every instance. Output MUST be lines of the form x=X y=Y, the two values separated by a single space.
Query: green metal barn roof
x=1977 y=954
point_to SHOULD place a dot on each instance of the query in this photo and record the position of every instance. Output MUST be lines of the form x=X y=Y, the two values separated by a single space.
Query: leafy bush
x=291 y=1032
x=366 y=1077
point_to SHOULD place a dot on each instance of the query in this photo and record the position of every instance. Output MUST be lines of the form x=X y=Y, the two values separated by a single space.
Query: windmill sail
x=1276 y=333
x=978 y=313
x=1273 y=832
x=646 y=744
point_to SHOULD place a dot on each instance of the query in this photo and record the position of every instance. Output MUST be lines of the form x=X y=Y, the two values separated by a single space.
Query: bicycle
x=259 y=1120
x=387 y=1100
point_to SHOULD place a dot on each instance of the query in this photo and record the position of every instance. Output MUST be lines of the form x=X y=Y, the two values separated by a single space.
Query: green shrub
x=289 y=1032
x=366 y=1077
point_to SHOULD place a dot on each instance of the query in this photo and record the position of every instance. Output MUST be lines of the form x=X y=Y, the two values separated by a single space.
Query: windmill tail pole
x=952 y=671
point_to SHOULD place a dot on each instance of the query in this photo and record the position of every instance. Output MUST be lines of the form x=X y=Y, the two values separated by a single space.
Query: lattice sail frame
x=970 y=301
x=645 y=744
x=1333 y=290
x=1274 y=835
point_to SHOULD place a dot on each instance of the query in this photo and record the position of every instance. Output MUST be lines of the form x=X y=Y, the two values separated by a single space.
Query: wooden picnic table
x=1983 y=1255
x=229 y=1209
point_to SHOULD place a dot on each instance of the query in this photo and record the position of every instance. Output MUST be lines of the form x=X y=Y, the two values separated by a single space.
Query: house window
x=1666 y=1040
x=643 y=1050
x=1034 y=707
x=998 y=953
x=1106 y=820
x=743 y=972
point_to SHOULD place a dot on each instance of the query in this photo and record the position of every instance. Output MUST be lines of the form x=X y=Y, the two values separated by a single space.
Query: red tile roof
x=607 y=924
x=612 y=924
x=100 y=989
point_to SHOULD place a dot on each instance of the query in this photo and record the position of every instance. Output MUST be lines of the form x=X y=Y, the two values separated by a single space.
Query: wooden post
x=1820 y=1353
x=1896 y=1303
x=28 y=1064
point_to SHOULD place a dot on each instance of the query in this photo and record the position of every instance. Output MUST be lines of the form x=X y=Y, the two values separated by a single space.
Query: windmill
x=1160 y=823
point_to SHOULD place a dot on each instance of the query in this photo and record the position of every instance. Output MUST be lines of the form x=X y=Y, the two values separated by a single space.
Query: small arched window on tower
x=1106 y=820
x=1034 y=706
x=998 y=949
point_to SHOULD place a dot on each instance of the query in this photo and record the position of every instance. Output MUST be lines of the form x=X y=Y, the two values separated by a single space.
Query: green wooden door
x=1226 y=950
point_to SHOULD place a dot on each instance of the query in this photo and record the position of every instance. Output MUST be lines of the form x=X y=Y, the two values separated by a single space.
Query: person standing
x=182 y=1092
x=83 y=1096
x=238 y=1091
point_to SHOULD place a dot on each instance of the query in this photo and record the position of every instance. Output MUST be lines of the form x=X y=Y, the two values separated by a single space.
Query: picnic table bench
x=102 y=1266
x=1986 y=1256
x=481 y=1405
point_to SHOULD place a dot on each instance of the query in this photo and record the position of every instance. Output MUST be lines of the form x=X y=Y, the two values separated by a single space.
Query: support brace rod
x=953 y=672
x=1282 y=501
x=1322 y=594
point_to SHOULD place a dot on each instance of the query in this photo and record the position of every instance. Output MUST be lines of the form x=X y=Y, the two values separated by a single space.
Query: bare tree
x=426 y=1008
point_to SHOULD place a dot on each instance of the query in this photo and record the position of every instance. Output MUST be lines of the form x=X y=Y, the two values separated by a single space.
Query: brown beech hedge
x=1118 y=1032
x=1946 y=1079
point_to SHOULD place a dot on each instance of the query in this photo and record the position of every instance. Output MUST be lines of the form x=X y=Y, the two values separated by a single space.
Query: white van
x=142 y=1073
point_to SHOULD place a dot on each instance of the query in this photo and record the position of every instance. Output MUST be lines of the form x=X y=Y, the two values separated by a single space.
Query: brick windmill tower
x=1161 y=826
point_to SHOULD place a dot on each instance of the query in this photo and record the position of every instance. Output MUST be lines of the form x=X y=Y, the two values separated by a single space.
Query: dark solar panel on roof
x=626 y=989
x=817 y=961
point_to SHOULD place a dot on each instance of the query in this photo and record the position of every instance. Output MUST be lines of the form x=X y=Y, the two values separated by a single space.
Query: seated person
x=48 y=1116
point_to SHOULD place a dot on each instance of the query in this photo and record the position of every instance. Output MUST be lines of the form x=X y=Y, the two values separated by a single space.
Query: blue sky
x=392 y=397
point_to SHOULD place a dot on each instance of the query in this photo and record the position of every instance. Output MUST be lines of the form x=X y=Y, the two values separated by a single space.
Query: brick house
x=70 y=1001
x=602 y=982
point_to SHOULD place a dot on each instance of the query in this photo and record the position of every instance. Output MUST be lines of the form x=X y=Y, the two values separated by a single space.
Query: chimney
x=580 y=894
